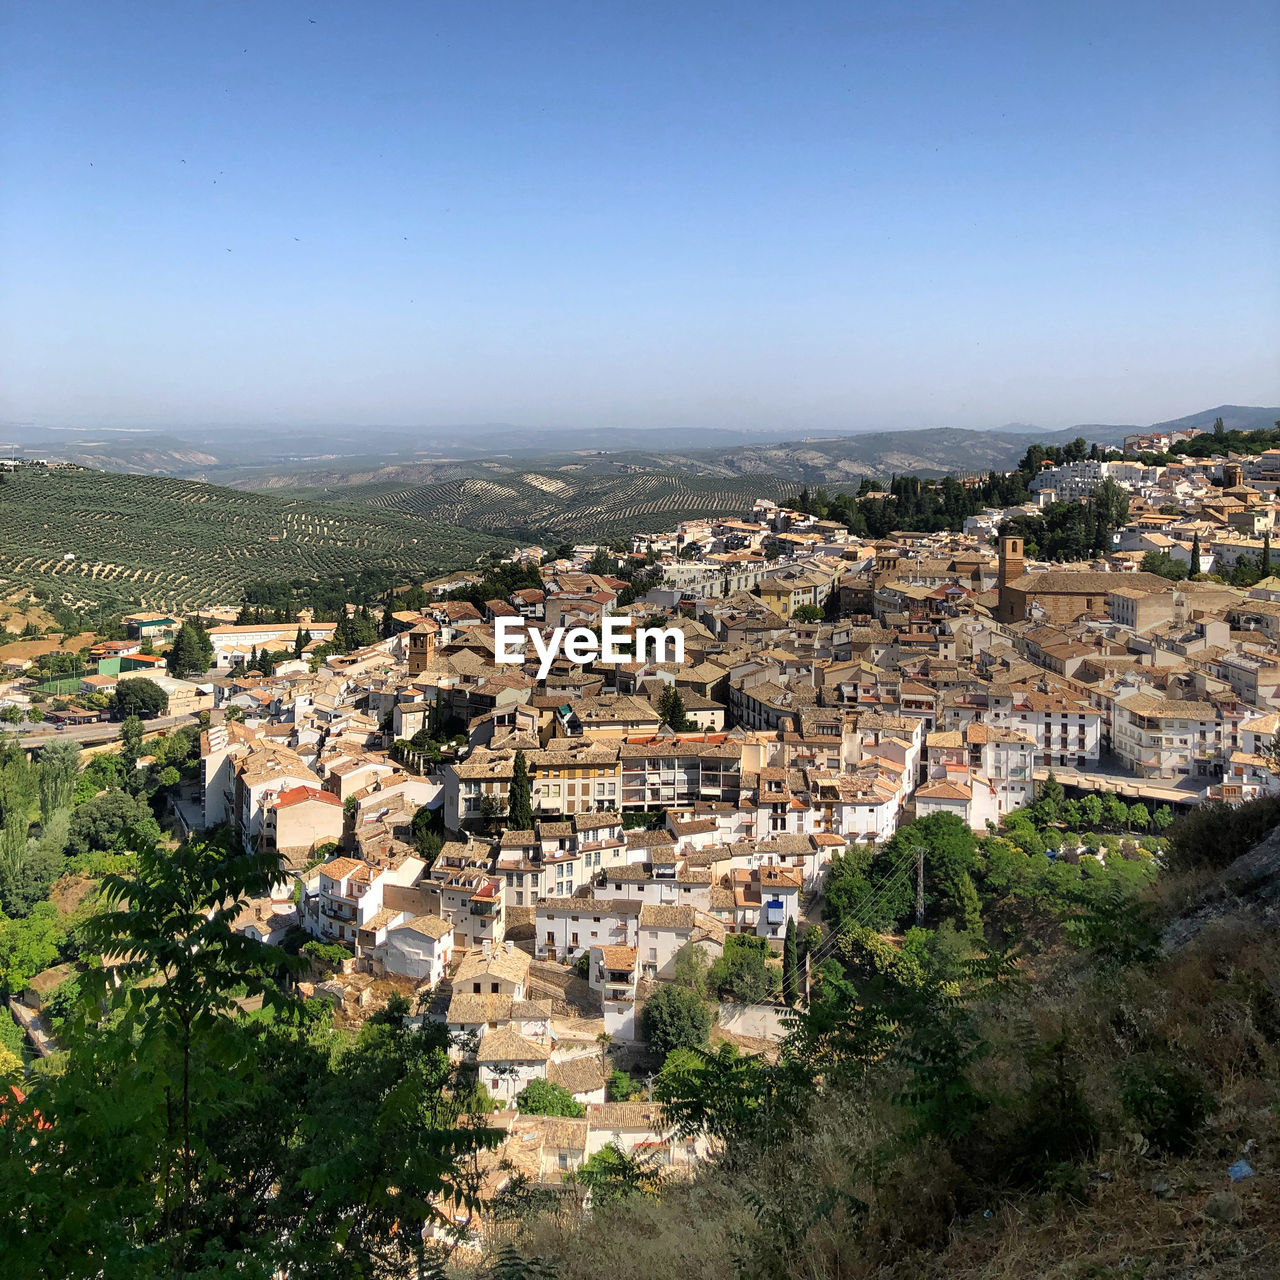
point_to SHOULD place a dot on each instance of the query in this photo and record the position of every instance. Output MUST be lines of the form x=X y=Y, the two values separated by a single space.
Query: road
x=33 y=737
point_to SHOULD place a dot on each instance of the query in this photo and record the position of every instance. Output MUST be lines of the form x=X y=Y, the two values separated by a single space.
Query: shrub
x=326 y=955
x=742 y=973
x=542 y=1098
x=1167 y=1104
x=620 y=1087
x=1215 y=834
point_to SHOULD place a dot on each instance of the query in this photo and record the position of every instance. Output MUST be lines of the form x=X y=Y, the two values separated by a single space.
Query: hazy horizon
x=745 y=217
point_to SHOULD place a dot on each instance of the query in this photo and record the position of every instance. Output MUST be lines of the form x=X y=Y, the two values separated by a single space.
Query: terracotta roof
x=505 y=1045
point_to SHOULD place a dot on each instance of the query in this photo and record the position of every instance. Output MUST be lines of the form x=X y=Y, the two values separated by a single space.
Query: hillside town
x=530 y=861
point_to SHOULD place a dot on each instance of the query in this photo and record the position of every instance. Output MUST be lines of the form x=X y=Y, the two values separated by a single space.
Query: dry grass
x=1128 y=1212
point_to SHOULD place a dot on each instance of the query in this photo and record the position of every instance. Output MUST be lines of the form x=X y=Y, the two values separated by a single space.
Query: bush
x=542 y=1098
x=1166 y=1103
x=620 y=1087
x=329 y=956
x=1215 y=834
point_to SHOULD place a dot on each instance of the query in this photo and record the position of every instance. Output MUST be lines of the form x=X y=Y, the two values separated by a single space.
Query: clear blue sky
x=819 y=215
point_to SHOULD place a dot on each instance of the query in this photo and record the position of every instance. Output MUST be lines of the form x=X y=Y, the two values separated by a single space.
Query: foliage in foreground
x=949 y=1107
x=185 y=1137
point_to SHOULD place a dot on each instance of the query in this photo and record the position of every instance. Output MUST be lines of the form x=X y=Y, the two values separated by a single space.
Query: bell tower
x=1012 y=561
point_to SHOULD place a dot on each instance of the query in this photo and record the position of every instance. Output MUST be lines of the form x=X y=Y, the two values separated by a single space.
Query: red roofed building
x=300 y=820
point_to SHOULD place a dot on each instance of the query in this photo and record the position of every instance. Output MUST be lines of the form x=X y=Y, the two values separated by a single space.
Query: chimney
x=509 y=947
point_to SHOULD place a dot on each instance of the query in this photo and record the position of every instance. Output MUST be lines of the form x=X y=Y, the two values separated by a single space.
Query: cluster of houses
x=947 y=674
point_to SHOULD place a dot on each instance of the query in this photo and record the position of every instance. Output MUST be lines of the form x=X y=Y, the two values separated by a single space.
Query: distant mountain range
x=332 y=457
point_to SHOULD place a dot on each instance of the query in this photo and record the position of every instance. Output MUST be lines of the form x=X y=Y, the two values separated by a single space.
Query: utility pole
x=919 y=885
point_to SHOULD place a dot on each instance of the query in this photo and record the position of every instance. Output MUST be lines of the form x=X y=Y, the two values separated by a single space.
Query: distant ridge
x=267 y=457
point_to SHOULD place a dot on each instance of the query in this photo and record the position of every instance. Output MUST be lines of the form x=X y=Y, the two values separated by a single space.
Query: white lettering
x=509 y=632
x=581 y=645
x=615 y=635
x=547 y=651
x=664 y=639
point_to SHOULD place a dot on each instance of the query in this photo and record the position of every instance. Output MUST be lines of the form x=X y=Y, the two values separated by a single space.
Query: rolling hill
x=273 y=456
x=557 y=506
x=91 y=536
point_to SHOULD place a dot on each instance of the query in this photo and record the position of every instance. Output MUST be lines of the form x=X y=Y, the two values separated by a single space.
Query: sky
x=819 y=216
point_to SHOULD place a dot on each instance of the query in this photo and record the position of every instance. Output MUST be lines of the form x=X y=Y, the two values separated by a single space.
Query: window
x=475 y=986
x=493 y=988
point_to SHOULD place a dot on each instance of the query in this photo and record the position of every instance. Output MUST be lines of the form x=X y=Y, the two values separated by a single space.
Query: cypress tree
x=520 y=796
x=790 y=964
x=1195 y=555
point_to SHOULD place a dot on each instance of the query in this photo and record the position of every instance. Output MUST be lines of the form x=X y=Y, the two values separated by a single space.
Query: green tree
x=520 y=796
x=742 y=973
x=807 y=613
x=612 y=1174
x=1165 y=566
x=790 y=964
x=675 y=1018
x=879 y=890
x=542 y=1098
x=1091 y=810
x=29 y=946
x=138 y=696
x=671 y=710
x=185 y=1137
x=191 y=652
x=1049 y=799
x=112 y=822
x=1115 y=811
x=690 y=968
x=1163 y=818
x=59 y=769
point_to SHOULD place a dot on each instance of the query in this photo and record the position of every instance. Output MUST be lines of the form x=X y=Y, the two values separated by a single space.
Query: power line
x=900 y=877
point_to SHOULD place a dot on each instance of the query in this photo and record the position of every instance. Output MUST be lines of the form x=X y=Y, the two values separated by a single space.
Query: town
x=560 y=853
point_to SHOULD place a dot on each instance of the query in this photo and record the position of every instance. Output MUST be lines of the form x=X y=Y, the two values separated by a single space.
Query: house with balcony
x=349 y=899
x=612 y=975
x=1168 y=738
x=506 y=1062
x=765 y=899
x=470 y=1017
x=566 y=927
x=661 y=932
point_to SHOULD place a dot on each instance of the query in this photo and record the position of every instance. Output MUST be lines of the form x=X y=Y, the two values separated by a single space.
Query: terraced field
x=551 y=506
x=156 y=543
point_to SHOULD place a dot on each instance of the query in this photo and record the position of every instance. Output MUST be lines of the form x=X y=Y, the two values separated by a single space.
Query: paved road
x=36 y=736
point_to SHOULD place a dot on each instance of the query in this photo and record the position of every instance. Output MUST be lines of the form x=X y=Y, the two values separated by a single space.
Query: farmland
x=563 y=506
x=85 y=537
